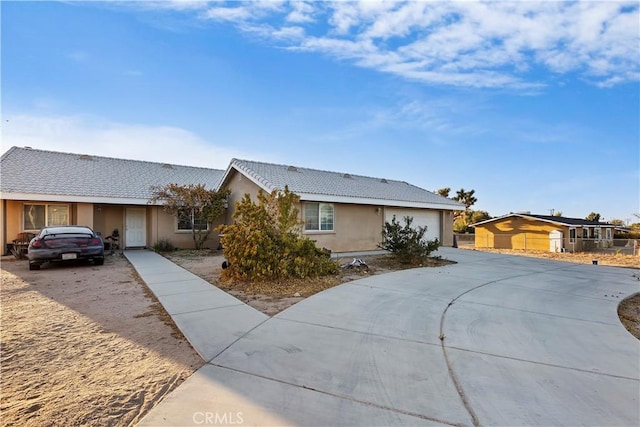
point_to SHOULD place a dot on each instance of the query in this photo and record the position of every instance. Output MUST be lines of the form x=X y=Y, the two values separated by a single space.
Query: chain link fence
x=535 y=243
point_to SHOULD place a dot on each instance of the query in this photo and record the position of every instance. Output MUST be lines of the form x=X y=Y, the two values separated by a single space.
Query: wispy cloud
x=82 y=134
x=520 y=45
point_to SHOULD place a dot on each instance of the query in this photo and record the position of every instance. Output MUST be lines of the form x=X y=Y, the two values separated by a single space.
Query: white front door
x=136 y=235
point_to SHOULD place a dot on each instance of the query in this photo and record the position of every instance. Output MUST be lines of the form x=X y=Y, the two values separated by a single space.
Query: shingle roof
x=568 y=221
x=307 y=182
x=30 y=171
x=551 y=218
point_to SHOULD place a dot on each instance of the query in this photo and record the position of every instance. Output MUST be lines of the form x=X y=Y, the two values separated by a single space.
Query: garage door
x=421 y=217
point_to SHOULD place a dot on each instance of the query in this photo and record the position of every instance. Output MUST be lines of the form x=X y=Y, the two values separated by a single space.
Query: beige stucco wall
x=83 y=214
x=13 y=216
x=239 y=185
x=107 y=218
x=356 y=228
x=161 y=225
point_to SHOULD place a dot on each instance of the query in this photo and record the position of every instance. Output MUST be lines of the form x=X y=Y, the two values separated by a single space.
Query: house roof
x=30 y=174
x=561 y=220
x=326 y=186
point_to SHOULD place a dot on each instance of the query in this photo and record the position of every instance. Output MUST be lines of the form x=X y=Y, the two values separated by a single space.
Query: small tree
x=467 y=198
x=406 y=243
x=265 y=241
x=444 y=192
x=192 y=204
x=593 y=216
x=462 y=224
x=462 y=219
x=479 y=216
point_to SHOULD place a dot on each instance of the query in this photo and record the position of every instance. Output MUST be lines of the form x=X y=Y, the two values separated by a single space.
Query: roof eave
x=236 y=165
x=63 y=198
x=310 y=197
x=565 y=224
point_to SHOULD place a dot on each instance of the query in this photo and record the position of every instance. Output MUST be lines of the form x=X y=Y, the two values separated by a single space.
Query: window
x=597 y=233
x=585 y=233
x=187 y=220
x=608 y=233
x=572 y=235
x=36 y=217
x=318 y=217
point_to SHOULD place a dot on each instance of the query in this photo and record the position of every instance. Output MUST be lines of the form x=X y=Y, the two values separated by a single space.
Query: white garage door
x=421 y=217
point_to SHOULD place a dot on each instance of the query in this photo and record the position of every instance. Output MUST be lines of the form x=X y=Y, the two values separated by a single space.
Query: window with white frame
x=585 y=233
x=188 y=220
x=597 y=233
x=318 y=217
x=572 y=235
x=37 y=216
x=608 y=233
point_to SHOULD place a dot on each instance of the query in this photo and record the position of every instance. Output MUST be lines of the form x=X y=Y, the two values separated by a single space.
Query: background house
x=344 y=212
x=543 y=232
x=40 y=188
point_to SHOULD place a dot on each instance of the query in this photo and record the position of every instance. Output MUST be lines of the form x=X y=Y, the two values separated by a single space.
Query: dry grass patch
x=273 y=296
x=629 y=313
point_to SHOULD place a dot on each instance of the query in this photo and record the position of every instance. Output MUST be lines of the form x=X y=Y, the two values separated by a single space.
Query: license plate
x=69 y=256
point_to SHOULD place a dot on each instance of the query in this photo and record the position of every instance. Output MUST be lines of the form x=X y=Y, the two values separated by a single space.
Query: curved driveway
x=491 y=340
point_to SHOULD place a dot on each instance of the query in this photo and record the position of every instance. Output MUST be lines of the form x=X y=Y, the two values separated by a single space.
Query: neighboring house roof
x=326 y=186
x=29 y=174
x=572 y=222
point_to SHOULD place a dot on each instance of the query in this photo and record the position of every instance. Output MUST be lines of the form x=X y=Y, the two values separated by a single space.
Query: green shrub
x=164 y=245
x=406 y=243
x=265 y=241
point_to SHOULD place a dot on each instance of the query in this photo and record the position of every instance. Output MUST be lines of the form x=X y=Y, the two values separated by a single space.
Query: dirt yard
x=614 y=260
x=629 y=312
x=85 y=345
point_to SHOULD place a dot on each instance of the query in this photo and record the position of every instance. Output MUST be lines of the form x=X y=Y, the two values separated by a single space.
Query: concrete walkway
x=492 y=340
x=209 y=318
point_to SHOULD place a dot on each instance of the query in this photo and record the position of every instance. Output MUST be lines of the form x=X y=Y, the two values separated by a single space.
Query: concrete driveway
x=492 y=340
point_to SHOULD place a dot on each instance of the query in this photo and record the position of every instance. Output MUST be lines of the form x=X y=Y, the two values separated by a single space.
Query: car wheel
x=34 y=266
x=98 y=261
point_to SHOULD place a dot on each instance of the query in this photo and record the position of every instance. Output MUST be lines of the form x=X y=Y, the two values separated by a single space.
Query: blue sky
x=535 y=105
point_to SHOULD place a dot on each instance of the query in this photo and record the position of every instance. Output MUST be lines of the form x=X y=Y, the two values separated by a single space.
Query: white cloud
x=478 y=44
x=302 y=13
x=96 y=136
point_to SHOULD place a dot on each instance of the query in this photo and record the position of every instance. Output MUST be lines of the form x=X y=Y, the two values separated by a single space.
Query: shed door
x=136 y=235
x=555 y=241
x=421 y=217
